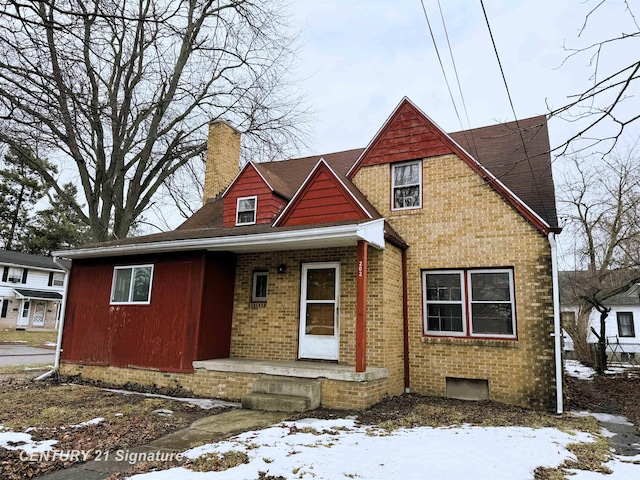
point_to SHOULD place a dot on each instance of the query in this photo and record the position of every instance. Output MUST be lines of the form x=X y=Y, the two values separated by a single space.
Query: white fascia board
x=341 y=235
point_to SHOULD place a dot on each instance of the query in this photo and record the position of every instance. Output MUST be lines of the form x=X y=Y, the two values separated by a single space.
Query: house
x=622 y=325
x=31 y=290
x=421 y=263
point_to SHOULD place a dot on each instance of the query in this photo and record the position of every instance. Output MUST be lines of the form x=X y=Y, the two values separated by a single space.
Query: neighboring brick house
x=422 y=263
x=31 y=290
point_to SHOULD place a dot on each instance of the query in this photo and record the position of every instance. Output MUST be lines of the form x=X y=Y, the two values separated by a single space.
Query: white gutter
x=557 y=329
x=371 y=231
x=63 y=307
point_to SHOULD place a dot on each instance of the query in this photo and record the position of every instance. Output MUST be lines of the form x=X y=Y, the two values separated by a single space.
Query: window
x=469 y=303
x=56 y=279
x=625 y=324
x=259 y=288
x=406 y=185
x=5 y=305
x=132 y=284
x=246 y=211
x=15 y=275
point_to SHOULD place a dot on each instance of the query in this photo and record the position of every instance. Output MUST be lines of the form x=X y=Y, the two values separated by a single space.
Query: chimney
x=223 y=158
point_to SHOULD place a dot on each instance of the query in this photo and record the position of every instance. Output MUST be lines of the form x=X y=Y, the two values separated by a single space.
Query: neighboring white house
x=622 y=325
x=31 y=290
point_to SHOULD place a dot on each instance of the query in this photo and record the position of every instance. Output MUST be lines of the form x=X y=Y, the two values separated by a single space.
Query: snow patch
x=605 y=417
x=204 y=403
x=577 y=370
x=333 y=449
x=23 y=441
x=50 y=344
x=93 y=421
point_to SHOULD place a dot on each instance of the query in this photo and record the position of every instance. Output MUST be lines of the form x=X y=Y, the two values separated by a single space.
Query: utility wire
x=504 y=79
x=455 y=70
x=441 y=64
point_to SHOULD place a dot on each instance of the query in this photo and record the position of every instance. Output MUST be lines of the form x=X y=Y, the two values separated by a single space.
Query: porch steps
x=283 y=394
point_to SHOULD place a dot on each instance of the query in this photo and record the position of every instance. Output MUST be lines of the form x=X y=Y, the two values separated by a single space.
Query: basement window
x=259 y=287
x=132 y=285
x=406 y=179
x=246 y=210
x=469 y=303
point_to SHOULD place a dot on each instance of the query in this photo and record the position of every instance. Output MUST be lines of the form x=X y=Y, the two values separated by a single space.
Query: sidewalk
x=206 y=430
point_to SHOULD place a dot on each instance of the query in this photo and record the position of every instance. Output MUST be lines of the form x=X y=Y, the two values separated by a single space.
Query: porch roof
x=37 y=294
x=255 y=238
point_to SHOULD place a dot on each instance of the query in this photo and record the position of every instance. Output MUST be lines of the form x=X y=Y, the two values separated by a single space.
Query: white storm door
x=38 y=314
x=319 y=311
x=25 y=310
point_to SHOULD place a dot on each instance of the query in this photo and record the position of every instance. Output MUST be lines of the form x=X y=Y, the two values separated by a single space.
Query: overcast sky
x=360 y=57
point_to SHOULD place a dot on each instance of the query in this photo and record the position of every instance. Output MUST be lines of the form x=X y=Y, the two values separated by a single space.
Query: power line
x=433 y=38
x=504 y=79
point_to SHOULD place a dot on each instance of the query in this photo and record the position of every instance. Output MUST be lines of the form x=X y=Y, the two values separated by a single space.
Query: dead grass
x=216 y=462
x=29 y=338
x=26 y=369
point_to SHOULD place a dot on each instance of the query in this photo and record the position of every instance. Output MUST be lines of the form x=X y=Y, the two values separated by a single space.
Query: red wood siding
x=162 y=335
x=248 y=184
x=323 y=199
x=408 y=135
x=214 y=337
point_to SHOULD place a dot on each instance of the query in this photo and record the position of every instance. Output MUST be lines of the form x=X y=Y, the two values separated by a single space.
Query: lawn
x=32 y=338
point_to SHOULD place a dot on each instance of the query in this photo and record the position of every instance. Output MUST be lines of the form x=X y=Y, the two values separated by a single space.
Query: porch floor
x=300 y=369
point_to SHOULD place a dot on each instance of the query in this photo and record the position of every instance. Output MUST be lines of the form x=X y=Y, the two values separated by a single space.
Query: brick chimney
x=223 y=158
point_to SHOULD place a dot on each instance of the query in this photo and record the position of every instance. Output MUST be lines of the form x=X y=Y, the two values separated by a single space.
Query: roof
x=497 y=148
x=38 y=294
x=29 y=260
x=501 y=150
x=576 y=283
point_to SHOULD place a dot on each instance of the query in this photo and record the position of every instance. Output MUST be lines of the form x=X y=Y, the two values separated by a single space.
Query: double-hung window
x=625 y=324
x=132 y=285
x=406 y=179
x=246 y=210
x=469 y=303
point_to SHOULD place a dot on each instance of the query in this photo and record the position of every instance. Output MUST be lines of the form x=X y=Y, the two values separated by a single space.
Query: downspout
x=557 y=330
x=63 y=307
x=405 y=323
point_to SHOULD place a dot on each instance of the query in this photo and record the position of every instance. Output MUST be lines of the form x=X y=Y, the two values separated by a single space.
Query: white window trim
x=254 y=297
x=511 y=301
x=60 y=279
x=393 y=185
x=18 y=278
x=113 y=284
x=255 y=210
x=467 y=316
x=462 y=302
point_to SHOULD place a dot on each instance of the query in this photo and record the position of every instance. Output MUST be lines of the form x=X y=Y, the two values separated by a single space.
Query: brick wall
x=464 y=223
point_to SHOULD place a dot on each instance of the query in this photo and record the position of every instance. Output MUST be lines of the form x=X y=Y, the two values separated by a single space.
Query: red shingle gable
x=250 y=183
x=407 y=135
x=322 y=199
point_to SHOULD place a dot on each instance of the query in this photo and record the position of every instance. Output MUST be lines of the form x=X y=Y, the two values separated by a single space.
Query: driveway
x=11 y=355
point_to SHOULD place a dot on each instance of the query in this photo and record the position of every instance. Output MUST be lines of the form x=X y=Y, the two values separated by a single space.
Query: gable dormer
x=323 y=198
x=250 y=200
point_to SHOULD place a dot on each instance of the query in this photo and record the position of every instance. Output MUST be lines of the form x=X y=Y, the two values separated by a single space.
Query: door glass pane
x=25 y=309
x=141 y=284
x=320 y=319
x=122 y=284
x=321 y=284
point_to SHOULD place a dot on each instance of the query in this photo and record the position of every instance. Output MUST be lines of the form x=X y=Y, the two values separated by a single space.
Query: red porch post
x=361 y=308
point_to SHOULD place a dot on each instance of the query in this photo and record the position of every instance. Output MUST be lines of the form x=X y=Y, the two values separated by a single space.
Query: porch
x=269 y=384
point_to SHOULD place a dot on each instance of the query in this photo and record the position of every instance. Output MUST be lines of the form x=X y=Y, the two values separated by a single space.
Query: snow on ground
x=623 y=469
x=605 y=417
x=50 y=344
x=204 y=403
x=334 y=449
x=23 y=441
x=93 y=421
x=576 y=369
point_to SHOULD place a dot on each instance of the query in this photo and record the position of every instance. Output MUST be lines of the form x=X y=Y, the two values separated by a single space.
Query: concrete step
x=297 y=387
x=276 y=403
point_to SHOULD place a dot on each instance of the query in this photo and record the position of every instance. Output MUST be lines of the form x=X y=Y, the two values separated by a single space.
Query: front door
x=319 y=311
x=38 y=314
x=23 y=318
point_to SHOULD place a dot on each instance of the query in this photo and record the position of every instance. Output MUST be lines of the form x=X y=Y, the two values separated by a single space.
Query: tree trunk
x=601 y=351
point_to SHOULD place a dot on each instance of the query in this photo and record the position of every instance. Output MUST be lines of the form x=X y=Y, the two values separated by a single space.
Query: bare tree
x=612 y=96
x=121 y=91
x=602 y=205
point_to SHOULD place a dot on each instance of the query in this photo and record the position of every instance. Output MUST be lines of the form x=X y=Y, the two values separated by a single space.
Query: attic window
x=406 y=179
x=246 y=210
